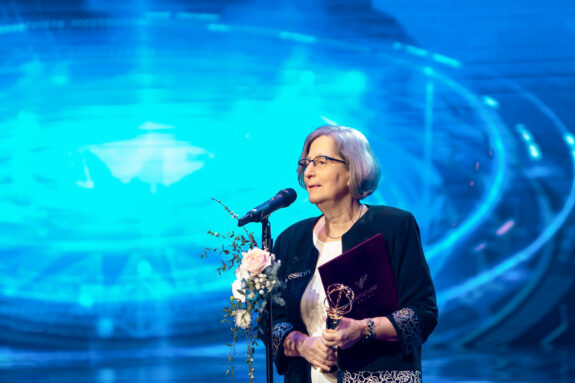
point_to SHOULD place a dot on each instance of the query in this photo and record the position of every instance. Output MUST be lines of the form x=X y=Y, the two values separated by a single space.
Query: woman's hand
x=315 y=351
x=312 y=349
x=349 y=332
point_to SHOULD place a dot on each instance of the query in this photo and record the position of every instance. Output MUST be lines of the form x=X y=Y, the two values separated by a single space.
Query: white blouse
x=312 y=302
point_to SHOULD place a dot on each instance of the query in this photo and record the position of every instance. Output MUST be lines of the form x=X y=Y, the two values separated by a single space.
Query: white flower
x=241 y=273
x=237 y=285
x=243 y=319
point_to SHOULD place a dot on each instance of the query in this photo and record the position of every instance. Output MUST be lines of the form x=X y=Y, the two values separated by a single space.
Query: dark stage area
x=203 y=364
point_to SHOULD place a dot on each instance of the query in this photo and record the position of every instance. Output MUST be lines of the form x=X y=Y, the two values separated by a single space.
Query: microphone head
x=283 y=198
x=289 y=196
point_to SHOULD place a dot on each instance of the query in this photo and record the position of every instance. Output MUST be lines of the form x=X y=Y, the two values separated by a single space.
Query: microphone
x=283 y=198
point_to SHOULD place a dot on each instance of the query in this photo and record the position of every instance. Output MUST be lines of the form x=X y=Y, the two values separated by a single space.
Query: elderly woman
x=338 y=169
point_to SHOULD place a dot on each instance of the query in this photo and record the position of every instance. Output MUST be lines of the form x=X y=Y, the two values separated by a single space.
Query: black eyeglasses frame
x=304 y=162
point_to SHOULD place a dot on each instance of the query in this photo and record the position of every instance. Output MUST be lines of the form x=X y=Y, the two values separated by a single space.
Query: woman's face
x=330 y=183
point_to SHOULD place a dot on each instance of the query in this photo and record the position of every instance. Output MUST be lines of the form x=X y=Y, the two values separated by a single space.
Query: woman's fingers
x=327 y=353
x=348 y=334
x=319 y=355
x=331 y=338
x=324 y=363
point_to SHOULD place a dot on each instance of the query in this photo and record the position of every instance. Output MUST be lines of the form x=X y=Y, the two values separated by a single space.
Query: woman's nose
x=308 y=171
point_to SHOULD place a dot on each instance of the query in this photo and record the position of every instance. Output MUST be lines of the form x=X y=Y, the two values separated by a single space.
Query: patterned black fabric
x=379 y=377
x=279 y=333
x=411 y=333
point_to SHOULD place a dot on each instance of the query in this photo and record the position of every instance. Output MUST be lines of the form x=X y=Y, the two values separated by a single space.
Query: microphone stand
x=267 y=244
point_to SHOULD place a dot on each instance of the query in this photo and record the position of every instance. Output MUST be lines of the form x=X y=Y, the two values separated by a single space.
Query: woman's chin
x=312 y=200
x=315 y=200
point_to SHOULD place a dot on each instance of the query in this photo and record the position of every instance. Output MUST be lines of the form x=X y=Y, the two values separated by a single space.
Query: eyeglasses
x=319 y=162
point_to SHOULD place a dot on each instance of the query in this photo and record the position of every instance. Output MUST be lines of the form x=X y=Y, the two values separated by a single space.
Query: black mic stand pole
x=267 y=244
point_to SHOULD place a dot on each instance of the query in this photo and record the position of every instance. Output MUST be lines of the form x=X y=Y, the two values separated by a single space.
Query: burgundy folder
x=367 y=270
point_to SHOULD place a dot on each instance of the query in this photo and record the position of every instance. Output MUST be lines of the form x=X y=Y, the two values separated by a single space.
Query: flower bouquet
x=256 y=281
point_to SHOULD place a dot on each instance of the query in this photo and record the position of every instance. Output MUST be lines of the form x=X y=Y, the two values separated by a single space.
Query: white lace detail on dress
x=380 y=377
x=408 y=324
x=278 y=334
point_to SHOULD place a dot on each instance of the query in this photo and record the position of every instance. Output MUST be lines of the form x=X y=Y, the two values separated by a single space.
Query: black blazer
x=414 y=320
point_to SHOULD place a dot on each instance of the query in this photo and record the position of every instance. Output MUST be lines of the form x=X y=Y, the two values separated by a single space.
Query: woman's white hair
x=355 y=150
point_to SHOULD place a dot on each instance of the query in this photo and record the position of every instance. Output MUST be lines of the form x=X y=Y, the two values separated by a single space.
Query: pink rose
x=256 y=260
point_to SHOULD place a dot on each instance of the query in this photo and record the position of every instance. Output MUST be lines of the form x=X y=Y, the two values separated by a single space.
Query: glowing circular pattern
x=117 y=132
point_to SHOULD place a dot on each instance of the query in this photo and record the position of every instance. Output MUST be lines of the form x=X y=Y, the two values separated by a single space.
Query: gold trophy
x=339 y=300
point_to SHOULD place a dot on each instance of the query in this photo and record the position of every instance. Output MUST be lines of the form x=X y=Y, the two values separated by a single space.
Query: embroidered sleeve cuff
x=408 y=329
x=279 y=333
